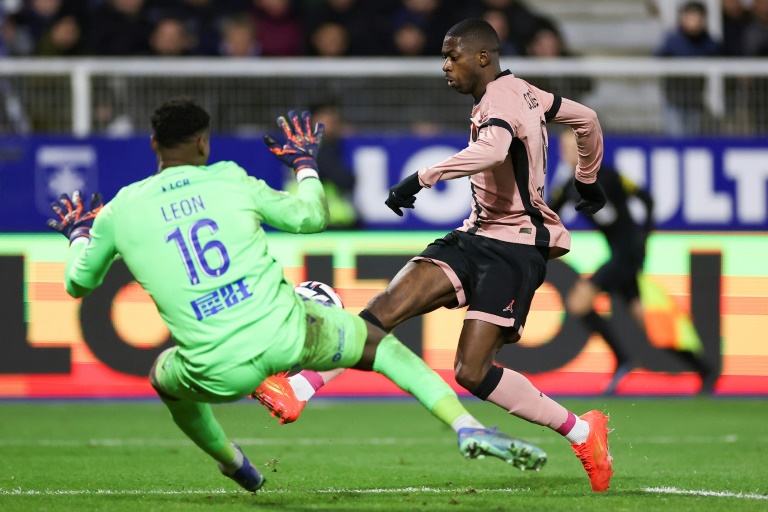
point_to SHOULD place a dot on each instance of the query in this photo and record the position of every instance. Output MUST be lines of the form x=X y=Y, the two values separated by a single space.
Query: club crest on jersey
x=509 y=308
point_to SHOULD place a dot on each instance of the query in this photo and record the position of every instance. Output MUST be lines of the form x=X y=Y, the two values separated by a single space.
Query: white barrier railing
x=81 y=73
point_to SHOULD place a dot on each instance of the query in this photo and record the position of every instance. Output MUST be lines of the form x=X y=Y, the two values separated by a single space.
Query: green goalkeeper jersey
x=192 y=238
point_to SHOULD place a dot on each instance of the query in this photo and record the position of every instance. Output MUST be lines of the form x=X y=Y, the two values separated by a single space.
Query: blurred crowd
x=250 y=28
x=336 y=28
x=744 y=34
x=285 y=28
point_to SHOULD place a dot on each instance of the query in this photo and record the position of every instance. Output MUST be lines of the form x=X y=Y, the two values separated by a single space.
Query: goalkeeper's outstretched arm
x=88 y=260
x=307 y=210
x=303 y=212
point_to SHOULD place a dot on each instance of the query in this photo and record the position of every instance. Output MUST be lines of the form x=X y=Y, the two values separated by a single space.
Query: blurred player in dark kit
x=619 y=275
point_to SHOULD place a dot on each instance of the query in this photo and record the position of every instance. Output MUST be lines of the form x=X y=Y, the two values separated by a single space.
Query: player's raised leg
x=395 y=361
x=588 y=434
x=367 y=347
x=285 y=396
x=421 y=286
x=196 y=420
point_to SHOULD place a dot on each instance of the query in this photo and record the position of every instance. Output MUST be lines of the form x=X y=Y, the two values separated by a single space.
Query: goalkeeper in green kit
x=191 y=236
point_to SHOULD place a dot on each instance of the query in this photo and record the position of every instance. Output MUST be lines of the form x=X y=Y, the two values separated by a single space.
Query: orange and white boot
x=593 y=452
x=277 y=395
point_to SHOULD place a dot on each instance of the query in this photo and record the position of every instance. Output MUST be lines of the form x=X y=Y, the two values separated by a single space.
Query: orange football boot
x=276 y=394
x=593 y=452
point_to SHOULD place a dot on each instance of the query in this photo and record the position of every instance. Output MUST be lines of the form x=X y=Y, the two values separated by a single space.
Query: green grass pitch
x=669 y=454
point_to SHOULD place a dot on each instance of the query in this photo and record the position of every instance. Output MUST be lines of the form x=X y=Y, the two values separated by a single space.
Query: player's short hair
x=478 y=31
x=178 y=120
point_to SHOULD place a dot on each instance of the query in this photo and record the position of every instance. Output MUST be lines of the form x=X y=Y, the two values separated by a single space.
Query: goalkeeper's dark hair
x=478 y=31
x=178 y=120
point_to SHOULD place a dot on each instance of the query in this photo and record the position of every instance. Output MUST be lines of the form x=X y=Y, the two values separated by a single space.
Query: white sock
x=579 y=432
x=235 y=464
x=465 y=420
x=301 y=387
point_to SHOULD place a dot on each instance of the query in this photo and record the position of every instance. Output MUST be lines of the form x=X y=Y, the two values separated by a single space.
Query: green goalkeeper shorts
x=334 y=339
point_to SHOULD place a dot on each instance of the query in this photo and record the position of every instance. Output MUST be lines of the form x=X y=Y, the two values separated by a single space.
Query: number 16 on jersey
x=197 y=258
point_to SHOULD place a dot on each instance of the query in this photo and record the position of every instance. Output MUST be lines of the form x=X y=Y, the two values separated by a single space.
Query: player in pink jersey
x=497 y=259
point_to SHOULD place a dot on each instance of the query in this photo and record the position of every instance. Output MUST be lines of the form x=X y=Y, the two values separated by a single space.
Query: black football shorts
x=496 y=279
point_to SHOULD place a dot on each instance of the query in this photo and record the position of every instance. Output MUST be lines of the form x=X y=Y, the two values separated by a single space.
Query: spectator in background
x=500 y=24
x=201 y=18
x=756 y=32
x=756 y=45
x=63 y=39
x=522 y=23
x=35 y=23
x=109 y=109
x=170 y=38
x=426 y=17
x=367 y=23
x=14 y=39
x=6 y=33
x=278 y=28
x=120 y=28
x=409 y=38
x=13 y=117
x=685 y=95
x=36 y=19
x=330 y=40
x=735 y=20
x=238 y=41
x=238 y=38
x=338 y=179
x=38 y=16
x=547 y=43
x=425 y=128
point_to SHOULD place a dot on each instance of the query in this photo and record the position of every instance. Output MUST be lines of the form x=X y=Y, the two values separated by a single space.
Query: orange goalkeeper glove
x=74 y=220
x=301 y=145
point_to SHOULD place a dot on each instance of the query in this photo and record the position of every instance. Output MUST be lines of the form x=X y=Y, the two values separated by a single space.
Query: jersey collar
x=503 y=73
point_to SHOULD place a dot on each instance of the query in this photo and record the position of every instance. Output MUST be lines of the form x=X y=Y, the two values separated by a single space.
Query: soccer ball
x=319 y=292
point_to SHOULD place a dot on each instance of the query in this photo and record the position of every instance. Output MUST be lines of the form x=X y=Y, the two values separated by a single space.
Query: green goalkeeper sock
x=196 y=420
x=396 y=362
x=452 y=413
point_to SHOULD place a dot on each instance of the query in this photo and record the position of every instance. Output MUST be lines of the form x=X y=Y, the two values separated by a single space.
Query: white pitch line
x=137 y=492
x=458 y=490
x=717 y=494
x=97 y=492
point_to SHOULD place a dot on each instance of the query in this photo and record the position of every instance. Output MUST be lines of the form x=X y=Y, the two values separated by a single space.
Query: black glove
x=403 y=195
x=75 y=220
x=592 y=197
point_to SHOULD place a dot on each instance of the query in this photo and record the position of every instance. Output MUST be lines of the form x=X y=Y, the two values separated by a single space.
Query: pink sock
x=307 y=382
x=314 y=378
x=517 y=395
